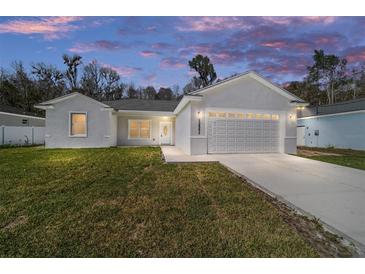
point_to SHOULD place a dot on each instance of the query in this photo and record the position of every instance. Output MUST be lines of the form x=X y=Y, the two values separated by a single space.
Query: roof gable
x=67 y=97
x=256 y=77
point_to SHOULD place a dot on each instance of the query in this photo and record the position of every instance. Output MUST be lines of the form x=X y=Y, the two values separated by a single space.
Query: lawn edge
x=357 y=249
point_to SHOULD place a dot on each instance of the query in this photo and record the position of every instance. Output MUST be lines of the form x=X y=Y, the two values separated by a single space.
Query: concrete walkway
x=174 y=155
x=332 y=193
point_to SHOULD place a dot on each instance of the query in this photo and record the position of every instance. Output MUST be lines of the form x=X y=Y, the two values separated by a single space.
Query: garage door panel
x=242 y=136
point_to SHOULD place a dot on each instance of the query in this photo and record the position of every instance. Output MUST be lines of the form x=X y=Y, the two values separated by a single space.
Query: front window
x=139 y=129
x=78 y=124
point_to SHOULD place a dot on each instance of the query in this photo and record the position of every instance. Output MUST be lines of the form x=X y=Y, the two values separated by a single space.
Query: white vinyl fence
x=21 y=135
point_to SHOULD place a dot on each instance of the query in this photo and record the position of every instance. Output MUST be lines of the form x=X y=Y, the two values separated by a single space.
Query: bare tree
x=72 y=62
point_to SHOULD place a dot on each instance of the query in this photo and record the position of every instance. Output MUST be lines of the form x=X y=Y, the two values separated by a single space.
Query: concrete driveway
x=332 y=193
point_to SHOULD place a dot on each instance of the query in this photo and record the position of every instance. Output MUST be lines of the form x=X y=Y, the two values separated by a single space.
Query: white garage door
x=242 y=133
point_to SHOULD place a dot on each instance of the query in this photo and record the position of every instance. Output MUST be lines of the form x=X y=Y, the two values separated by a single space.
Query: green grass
x=348 y=157
x=126 y=202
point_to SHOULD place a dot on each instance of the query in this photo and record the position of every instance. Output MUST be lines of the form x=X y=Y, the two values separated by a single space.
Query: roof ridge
x=141 y=99
x=244 y=74
x=342 y=103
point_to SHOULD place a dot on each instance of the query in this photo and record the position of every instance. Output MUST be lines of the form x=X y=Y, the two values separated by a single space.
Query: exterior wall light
x=292 y=117
x=199 y=115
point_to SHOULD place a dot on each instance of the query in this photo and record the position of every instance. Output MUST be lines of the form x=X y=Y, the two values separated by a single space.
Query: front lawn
x=343 y=157
x=126 y=202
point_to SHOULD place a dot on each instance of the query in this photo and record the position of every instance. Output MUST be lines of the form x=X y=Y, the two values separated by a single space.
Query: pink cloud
x=212 y=23
x=307 y=42
x=218 y=23
x=319 y=19
x=127 y=71
x=288 y=65
x=275 y=44
x=96 y=46
x=172 y=62
x=355 y=55
x=217 y=53
x=162 y=46
x=124 y=71
x=147 y=53
x=286 y=20
x=50 y=27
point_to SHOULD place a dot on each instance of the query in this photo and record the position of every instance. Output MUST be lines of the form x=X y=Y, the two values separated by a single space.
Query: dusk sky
x=155 y=50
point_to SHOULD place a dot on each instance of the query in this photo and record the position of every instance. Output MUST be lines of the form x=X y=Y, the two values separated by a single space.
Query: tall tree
x=176 y=91
x=132 y=92
x=50 y=81
x=328 y=73
x=24 y=87
x=72 y=62
x=91 y=80
x=358 y=82
x=120 y=91
x=110 y=82
x=308 y=92
x=164 y=94
x=9 y=95
x=149 y=93
x=202 y=65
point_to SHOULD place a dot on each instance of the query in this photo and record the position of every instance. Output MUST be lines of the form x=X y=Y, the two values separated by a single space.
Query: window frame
x=139 y=129
x=70 y=125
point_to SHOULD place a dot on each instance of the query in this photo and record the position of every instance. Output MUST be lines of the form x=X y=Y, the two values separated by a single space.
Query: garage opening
x=242 y=132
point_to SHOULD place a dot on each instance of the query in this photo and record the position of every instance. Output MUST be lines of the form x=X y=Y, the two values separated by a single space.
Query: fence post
x=32 y=135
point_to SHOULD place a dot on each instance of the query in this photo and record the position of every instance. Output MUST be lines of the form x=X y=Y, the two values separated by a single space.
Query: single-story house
x=16 y=117
x=340 y=125
x=242 y=114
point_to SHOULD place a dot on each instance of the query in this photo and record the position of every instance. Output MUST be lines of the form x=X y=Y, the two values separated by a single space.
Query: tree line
x=24 y=88
x=328 y=80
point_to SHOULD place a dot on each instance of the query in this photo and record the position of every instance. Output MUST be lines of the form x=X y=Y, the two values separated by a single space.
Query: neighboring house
x=242 y=114
x=12 y=116
x=340 y=125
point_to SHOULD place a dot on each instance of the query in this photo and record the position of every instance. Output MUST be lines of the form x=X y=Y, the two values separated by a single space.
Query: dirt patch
x=326 y=243
x=20 y=220
x=311 y=153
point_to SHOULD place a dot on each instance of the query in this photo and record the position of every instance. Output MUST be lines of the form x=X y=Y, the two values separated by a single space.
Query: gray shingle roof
x=352 y=105
x=143 y=105
x=15 y=110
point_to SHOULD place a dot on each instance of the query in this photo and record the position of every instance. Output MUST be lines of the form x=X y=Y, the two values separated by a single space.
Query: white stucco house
x=16 y=117
x=340 y=125
x=243 y=114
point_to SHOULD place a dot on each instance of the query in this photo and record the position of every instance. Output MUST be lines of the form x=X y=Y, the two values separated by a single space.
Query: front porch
x=140 y=129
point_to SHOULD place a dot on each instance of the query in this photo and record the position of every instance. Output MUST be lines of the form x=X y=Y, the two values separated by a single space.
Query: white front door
x=165 y=133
